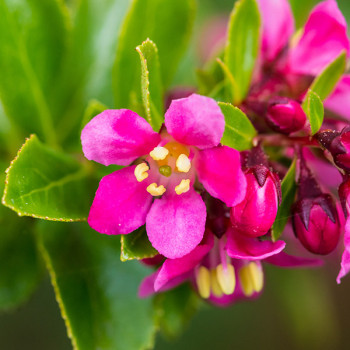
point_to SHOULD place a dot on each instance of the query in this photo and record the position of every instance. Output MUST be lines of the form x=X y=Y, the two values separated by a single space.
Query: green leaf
x=324 y=84
x=242 y=45
x=289 y=189
x=151 y=84
x=32 y=43
x=160 y=22
x=96 y=292
x=20 y=267
x=94 y=107
x=313 y=107
x=136 y=245
x=175 y=309
x=46 y=184
x=239 y=131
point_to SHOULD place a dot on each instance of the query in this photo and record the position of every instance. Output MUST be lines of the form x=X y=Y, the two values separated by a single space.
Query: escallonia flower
x=159 y=188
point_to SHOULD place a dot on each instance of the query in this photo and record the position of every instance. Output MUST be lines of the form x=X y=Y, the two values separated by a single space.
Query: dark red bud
x=344 y=196
x=285 y=116
x=316 y=224
x=255 y=215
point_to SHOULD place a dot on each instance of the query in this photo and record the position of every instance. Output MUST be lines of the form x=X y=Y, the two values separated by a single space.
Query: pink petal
x=121 y=203
x=195 y=120
x=219 y=170
x=339 y=101
x=117 y=136
x=345 y=260
x=146 y=287
x=324 y=38
x=285 y=260
x=173 y=268
x=175 y=223
x=249 y=248
x=278 y=26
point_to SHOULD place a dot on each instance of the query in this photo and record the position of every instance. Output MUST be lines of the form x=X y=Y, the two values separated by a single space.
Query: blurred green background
x=298 y=310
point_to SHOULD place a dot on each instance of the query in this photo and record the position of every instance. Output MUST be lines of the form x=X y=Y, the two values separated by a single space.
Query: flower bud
x=255 y=215
x=316 y=224
x=344 y=196
x=285 y=116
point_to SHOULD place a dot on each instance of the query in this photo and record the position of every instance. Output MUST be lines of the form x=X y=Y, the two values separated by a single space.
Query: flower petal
x=173 y=268
x=219 y=170
x=285 y=260
x=324 y=38
x=121 y=203
x=249 y=248
x=146 y=287
x=345 y=259
x=117 y=136
x=278 y=26
x=339 y=101
x=175 y=223
x=195 y=120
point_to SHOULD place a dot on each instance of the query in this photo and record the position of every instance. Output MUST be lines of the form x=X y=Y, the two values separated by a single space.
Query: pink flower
x=158 y=189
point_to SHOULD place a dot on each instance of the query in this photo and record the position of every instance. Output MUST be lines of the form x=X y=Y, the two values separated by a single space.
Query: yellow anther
x=141 y=172
x=226 y=278
x=156 y=190
x=183 y=187
x=215 y=286
x=159 y=153
x=252 y=278
x=183 y=164
x=203 y=282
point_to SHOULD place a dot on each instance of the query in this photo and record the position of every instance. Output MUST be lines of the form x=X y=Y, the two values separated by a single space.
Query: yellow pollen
x=252 y=278
x=226 y=278
x=159 y=153
x=215 y=286
x=183 y=164
x=141 y=172
x=156 y=190
x=183 y=187
x=203 y=282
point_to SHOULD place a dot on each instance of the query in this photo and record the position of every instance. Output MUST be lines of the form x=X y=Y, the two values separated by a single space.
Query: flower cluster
x=208 y=209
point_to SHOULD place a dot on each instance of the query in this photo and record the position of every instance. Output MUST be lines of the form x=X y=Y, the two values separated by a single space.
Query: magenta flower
x=158 y=189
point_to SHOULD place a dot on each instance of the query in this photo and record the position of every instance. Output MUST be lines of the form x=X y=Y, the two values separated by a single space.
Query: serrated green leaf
x=239 y=131
x=242 y=45
x=136 y=245
x=32 y=43
x=160 y=22
x=175 y=309
x=93 y=108
x=313 y=107
x=46 y=184
x=96 y=292
x=289 y=189
x=151 y=84
x=324 y=84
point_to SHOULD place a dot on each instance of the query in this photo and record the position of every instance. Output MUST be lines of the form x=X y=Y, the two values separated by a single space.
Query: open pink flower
x=158 y=190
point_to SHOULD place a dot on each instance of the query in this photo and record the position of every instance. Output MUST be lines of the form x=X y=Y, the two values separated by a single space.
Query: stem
x=282 y=140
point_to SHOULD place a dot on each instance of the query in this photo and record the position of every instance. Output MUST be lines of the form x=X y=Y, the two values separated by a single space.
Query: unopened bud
x=285 y=116
x=344 y=196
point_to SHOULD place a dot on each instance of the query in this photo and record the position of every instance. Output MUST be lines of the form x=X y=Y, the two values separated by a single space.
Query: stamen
x=203 y=282
x=156 y=190
x=246 y=281
x=165 y=170
x=159 y=153
x=252 y=278
x=226 y=278
x=183 y=164
x=257 y=276
x=183 y=187
x=215 y=286
x=141 y=172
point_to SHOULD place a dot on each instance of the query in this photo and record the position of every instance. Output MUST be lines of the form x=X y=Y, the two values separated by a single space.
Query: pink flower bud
x=316 y=224
x=285 y=116
x=255 y=215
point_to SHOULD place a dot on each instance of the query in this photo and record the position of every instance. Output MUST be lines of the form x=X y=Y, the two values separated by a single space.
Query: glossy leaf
x=313 y=107
x=239 y=131
x=96 y=292
x=151 y=84
x=161 y=25
x=325 y=83
x=242 y=45
x=289 y=189
x=136 y=245
x=46 y=184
